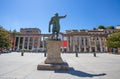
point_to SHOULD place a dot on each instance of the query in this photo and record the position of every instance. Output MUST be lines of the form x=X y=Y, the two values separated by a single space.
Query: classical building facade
x=30 y=39
x=76 y=40
x=88 y=41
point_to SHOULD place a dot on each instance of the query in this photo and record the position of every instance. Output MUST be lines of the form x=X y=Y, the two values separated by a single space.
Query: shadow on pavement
x=74 y=72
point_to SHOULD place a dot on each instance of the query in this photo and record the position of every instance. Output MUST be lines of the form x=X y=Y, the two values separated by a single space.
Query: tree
x=110 y=27
x=113 y=40
x=15 y=32
x=4 y=39
x=1 y=27
x=101 y=27
x=94 y=28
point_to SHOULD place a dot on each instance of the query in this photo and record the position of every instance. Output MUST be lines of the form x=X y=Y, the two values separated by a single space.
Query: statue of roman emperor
x=55 y=25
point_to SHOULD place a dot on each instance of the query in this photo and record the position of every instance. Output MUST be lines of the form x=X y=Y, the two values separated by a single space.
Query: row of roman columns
x=28 y=42
x=33 y=42
x=81 y=43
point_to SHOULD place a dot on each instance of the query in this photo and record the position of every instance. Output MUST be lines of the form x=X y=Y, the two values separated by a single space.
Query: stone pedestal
x=53 y=60
x=53 y=52
x=43 y=66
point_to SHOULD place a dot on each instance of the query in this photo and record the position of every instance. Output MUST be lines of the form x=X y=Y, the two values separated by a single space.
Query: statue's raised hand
x=65 y=15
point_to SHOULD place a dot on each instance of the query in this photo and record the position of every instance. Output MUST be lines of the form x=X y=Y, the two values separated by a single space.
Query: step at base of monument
x=63 y=66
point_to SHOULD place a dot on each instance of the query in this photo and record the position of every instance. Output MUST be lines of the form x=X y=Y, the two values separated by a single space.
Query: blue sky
x=81 y=14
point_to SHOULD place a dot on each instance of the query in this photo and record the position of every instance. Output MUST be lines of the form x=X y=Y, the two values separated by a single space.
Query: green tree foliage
x=15 y=32
x=110 y=27
x=94 y=28
x=113 y=40
x=1 y=27
x=4 y=39
x=101 y=27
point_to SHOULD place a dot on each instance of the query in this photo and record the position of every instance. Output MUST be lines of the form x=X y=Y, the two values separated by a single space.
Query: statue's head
x=56 y=14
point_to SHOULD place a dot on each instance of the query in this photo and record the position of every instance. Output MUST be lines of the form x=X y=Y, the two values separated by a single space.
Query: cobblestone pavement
x=85 y=66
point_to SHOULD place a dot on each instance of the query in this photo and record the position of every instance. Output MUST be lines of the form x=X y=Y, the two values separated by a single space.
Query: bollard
x=76 y=53
x=22 y=53
x=76 y=50
x=94 y=54
x=45 y=54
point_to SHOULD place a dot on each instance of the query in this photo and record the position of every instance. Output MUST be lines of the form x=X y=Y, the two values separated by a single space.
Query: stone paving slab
x=104 y=66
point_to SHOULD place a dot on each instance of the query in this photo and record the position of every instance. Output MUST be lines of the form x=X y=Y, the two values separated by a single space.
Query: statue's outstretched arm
x=62 y=16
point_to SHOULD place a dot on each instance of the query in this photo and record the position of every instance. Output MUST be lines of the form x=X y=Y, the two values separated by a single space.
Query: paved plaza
x=104 y=66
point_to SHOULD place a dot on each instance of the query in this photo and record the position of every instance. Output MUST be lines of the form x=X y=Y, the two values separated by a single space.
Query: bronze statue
x=56 y=25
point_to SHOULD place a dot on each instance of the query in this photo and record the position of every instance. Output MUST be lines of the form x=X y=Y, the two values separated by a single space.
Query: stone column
x=101 y=47
x=18 y=43
x=43 y=43
x=33 y=43
x=73 y=41
x=68 y=43
x=23 y=43
x=71 y=44
x=105 y=47
x=84 y=44
x=95 y=44
x=90 y=45
x=28 y=43
x=79 y=44
x=38 y=46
